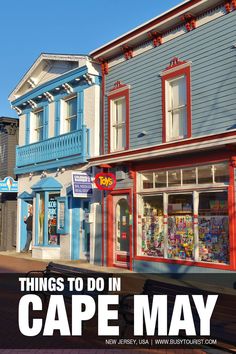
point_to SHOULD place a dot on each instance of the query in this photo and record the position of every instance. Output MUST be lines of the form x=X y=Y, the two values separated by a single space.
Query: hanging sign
x=82 y=185
x=8 y=185
x=105 y=181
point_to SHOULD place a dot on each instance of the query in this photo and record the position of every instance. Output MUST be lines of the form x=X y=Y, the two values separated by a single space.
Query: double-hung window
x=71 y=114
x=39 y=125
x=176 y=92
x=118 y=126
x=177 y=107
x=118 y=138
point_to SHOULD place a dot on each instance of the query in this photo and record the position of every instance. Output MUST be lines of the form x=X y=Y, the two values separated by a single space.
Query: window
x=118 y=118
x=39 y=125
x=176 y=102
x=71 y=114
x=118 y=124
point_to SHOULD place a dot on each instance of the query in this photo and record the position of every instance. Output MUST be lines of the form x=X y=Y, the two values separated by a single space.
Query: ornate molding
x=175 y=62
x=104 y=66
x=32 y=104
x=118 y=85
x=156 y=38
x=233 y=161
x=189 y=22
x=48 y=96
x=128 y=52
x=67 y=88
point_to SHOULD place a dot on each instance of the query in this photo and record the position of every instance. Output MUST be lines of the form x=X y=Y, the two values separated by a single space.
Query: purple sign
x=82 y=185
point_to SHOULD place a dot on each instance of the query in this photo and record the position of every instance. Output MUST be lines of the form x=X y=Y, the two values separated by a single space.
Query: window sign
x=82 y=185
x=62 y=215
x=8 y=185
x=53 y=237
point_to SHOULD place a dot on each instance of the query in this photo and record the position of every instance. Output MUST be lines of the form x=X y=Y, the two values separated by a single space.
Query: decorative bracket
x=233 y=161
x=32 y=104
x=228 y=5
x=156 y=38
x=49 y=96
x=68 y=88
x=128 y=52
x=104 y=66
x=88 y=78
x=18 y=110
x=190 y=22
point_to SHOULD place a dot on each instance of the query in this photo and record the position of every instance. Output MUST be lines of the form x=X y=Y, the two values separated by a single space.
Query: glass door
x=121 y=231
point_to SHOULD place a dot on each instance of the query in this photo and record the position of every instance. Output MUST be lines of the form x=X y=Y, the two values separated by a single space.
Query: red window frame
x=114 y=95
x=168 y=75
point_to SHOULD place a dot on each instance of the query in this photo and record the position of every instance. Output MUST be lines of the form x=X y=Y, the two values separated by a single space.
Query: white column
x=165 y=209
x=195 y=225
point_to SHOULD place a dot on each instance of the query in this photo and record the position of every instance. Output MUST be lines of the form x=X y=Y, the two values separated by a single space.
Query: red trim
x=231 y=208
x=103 y=114
x=183 y=142
x=110 y=245
x=103 y=223
x=168 y=76
x=152 y=23
x=113 y=96
x=189 y=263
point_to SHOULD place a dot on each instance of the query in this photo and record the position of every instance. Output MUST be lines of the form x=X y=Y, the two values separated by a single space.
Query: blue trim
x=47 y=184
x=57 y=117
x=27 y=128
x=80 y=109
x=75 y=244
x=45 y=226
x=63 y=230
x=50 y=85
x=26 y=196
x=36 y=223
x=23 y=232
x=45 y=121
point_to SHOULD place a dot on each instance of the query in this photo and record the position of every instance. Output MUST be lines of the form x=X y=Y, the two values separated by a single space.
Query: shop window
x=180 y=227
x=151 y=223
x=174 y=178
x=71 y=114
x=147 y=180
x=221 y=173
x=160 y=179
x=189 y=176
x=205 y=174
x=176 y=103
x=213 y=227
x=118 y=117
x=47 y=220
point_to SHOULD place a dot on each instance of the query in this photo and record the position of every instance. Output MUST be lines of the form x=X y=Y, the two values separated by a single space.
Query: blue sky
x=28 y=28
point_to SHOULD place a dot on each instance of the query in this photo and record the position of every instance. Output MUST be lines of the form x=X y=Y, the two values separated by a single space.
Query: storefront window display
x=192 y=225
x=53 y=237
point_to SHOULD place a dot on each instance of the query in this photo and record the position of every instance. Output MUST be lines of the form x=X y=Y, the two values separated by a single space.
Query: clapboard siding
x=213 y=82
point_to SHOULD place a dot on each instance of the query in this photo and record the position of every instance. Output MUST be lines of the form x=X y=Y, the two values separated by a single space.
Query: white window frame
x=64 y=126
x=170 y=135
x=115 y=126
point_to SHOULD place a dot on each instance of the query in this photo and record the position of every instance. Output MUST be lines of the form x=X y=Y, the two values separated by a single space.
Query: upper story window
x=71 y=114
x=176 y=100
x=38 y=125
x=118 y=117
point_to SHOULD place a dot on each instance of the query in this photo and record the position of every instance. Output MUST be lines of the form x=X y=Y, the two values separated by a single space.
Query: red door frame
x=110 y=244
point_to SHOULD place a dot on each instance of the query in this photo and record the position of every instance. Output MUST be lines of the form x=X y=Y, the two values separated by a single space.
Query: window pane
x=118 y=111
x=160 y=179
x=174 y=178
x=213 y=227
x=71 y=107
x=72 y=124
x=147 y=179
x=189 y=176
x=221 y=173
x=40 y=134
x=151 y=226
x=205 y=174
x=178 y=92
x=178 y=123
x=53 y=237
x=41 y=216
x=180 y=227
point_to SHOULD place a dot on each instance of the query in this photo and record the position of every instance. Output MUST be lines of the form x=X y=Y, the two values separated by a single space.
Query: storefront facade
x=169 y=138
x=59 y=131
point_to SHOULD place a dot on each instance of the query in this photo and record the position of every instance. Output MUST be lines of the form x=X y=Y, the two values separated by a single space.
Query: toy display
x=152 y=231
x=214 y=238
x=180 y=237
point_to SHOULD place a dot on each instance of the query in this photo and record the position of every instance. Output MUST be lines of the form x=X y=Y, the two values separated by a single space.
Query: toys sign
x=105 y=181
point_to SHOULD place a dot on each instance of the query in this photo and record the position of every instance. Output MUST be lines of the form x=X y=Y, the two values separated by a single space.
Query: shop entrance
x=121 y=230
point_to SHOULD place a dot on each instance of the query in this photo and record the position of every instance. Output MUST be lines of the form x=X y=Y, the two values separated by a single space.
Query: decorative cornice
x=175 y=62
x=118 y=86
x=156 y=38
x=128 y=52
x=189 y=22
